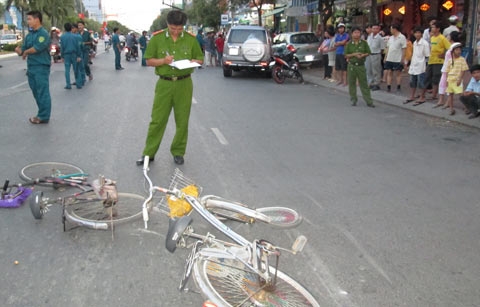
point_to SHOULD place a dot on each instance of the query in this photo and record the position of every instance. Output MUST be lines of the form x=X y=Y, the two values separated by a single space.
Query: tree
x=206 y=12
x=325 y=7
x=161 y=21
x=257 y=4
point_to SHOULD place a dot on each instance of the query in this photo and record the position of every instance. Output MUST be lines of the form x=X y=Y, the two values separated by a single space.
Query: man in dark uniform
x=356 y=52
x=80 y=67
x=35 y=49
x=117 y=48
x=174 y=87
x=71 y=54
x=143 y=46
x=87 y=44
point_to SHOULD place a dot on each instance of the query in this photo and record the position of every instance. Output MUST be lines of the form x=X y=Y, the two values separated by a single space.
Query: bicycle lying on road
x=95 y=205
x=241 y=273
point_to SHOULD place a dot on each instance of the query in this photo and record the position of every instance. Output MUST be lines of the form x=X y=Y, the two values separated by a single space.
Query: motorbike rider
x=132 y=43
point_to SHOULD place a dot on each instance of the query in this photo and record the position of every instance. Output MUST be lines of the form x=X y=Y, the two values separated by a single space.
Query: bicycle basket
x=180 y=207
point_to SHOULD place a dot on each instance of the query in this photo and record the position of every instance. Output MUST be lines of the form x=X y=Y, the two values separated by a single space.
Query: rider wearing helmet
x=453 y=26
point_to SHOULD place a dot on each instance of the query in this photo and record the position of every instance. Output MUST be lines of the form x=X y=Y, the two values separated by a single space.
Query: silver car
x=247 y=48
x=306 y=44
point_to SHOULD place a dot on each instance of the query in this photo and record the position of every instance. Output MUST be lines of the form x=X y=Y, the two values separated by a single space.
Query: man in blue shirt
x=143 y=46
x=116 y=48
x=35 y=49
x=471 y=96
x=71 y=54
x=341 y=40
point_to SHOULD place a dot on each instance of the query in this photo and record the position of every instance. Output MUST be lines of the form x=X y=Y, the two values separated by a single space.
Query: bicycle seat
x=176 y=227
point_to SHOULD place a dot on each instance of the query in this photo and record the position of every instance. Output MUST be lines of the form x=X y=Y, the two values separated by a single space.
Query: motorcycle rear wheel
x=278 y=75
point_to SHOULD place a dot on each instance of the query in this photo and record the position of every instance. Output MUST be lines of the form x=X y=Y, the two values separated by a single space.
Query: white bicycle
x=238 y=273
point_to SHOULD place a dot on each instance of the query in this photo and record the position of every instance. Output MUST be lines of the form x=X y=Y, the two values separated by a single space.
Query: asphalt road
x=389 y=197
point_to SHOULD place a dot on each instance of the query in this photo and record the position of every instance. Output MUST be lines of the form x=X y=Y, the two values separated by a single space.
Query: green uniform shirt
x=185 y=48
x=40 y=40
x=86 y=38
x=360 y=47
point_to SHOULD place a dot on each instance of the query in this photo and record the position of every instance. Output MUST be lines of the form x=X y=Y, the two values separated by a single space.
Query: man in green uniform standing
x=87 y=44
x=174 y=88
x=35 y=49
x=356 y=52
x=143 y=46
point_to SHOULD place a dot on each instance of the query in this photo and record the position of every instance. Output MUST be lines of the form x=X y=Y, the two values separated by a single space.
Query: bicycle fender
x=176 y=227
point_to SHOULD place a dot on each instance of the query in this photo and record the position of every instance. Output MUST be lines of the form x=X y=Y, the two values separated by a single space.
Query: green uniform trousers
x=358 y=73
x=168 y=95
x=38 y=80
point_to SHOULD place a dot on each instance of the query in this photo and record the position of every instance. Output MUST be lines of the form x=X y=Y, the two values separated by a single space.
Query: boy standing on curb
x=421 y=51
x=456 y=68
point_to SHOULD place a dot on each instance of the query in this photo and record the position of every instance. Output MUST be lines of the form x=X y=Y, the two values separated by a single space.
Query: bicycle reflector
x=180 y=207
x=208 y=304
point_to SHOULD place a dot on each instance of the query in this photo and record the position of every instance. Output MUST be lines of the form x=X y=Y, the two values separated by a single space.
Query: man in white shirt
x=453 y=26
x=471 y=96
x=426 y=33
x=395 y=56
x=421 y=50
x=374 y=63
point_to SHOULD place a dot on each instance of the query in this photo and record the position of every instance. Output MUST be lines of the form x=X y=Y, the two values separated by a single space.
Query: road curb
x=313 y=76
x=8 y=55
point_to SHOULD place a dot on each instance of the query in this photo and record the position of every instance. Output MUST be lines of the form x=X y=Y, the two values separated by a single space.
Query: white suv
x=247 y=48
x=8 y=39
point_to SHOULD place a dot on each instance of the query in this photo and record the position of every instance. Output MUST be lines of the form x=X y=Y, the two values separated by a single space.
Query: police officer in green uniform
x=35 y=49
x=174 y=87
x=356 y=52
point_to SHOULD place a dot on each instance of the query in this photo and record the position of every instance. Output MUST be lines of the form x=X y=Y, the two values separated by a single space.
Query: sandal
x=408 y=100
x=445 y=107
x=437 y=106
x=35 y=120
x=452 y=112
x=419 y=102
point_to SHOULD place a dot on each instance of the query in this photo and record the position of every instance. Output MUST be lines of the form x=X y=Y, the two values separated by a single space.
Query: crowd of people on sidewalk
x=432 y=58
x=212 y=47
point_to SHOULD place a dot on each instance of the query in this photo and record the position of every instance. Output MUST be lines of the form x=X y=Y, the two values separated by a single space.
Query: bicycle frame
x=258 y=251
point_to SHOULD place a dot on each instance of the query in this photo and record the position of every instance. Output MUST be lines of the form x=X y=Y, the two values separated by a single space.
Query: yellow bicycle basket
x=180 y=207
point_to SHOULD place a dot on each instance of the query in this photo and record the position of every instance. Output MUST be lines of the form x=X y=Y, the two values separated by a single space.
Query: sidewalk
x=315 y=76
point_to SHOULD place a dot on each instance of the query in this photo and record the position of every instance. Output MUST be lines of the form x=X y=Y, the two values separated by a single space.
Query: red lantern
x=424 y=7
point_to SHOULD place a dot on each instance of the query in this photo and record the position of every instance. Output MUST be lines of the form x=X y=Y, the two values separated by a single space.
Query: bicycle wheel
x=281 y=216
x=228 y=282
x=42 y=170
x=91 y=213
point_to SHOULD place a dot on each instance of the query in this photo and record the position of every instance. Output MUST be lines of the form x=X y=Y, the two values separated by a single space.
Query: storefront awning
x=274 y=12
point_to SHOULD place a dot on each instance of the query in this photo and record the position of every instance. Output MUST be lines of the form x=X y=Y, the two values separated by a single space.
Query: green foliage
x=160 y=22
x=115 y=24
x=206 y=12
x=10 y=47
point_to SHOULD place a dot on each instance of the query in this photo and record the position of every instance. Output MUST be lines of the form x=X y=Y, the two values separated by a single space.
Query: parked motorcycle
x=55 y=53
x=285 y=64
x=131 y=52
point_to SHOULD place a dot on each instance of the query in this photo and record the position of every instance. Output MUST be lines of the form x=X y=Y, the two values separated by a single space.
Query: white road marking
x=220 y=136
x=367 y=256
x=18 y=85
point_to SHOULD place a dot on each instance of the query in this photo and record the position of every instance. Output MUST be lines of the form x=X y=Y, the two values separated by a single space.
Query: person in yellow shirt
x=456 y=68
x=438 y=46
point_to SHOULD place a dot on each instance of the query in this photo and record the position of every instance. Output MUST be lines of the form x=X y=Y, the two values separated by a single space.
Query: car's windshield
x=238 y=36
x=303 y=38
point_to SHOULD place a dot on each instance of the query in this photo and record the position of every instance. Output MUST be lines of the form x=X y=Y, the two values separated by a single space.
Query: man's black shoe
x=371 y=105
x=375 y=88
x=178 y=160
x=474 y=115
x=140 y=161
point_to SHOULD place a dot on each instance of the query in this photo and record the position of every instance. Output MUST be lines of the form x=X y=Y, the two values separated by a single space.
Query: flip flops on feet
x=35 y=120
x=437 y=106
x=408 y=101
x=419 y=102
